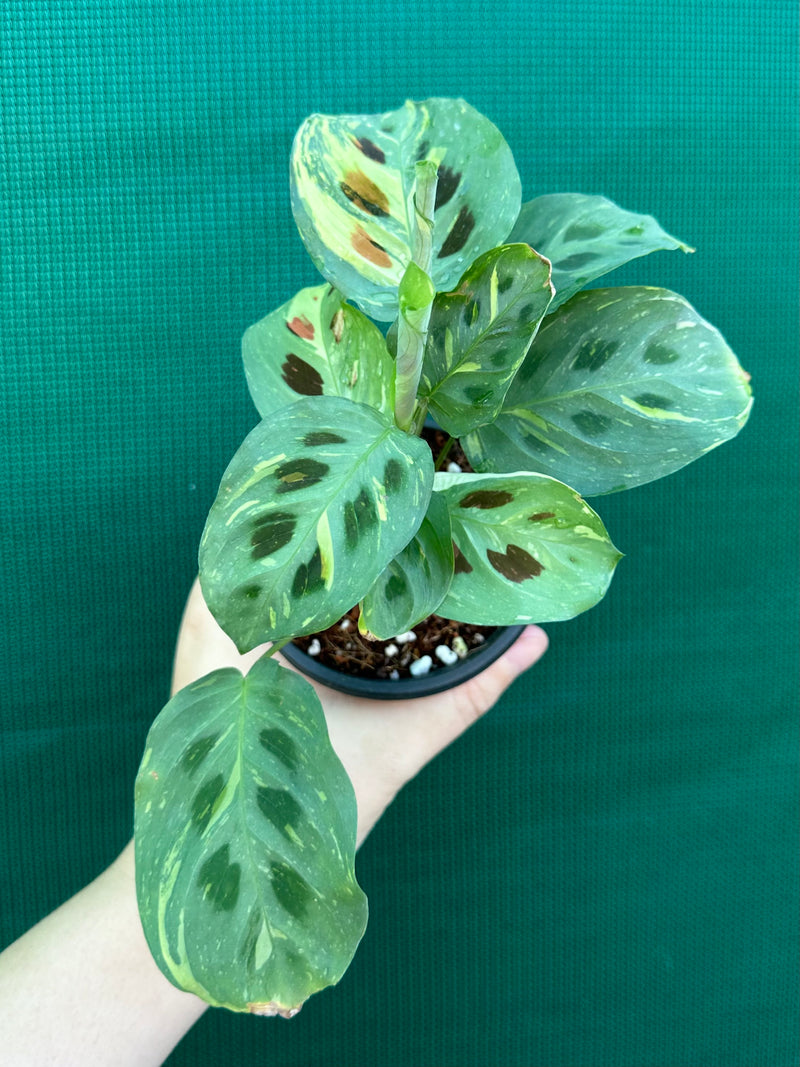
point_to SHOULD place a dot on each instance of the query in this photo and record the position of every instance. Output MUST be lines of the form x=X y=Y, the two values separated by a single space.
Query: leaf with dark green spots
x=245 y=836
x=352 y=182
x=528 y=549
x=621 y=386
x=317 y=345
x=479 y=334
x=316 y=502
x=415 y=582
x=585 y=237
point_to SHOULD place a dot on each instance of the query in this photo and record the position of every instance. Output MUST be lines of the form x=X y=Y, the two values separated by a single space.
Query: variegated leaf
x=245 y=836
x=620 y=387
x=352 y=181
x=317 y=345
x=317 y=500
x=527 y=549
x=587 y=236
x=479 y=334
x=415 y=581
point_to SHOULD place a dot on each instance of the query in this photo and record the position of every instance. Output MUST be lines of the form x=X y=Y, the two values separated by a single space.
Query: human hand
x=382 y=744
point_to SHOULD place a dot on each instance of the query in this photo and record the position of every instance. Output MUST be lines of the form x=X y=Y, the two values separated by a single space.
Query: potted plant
x=245 y=819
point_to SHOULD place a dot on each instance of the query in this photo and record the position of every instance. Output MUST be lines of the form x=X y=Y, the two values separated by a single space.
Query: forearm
x=81 y=987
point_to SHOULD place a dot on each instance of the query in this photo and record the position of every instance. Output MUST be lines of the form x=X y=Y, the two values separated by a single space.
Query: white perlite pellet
x=314 y=648
x=345 y=624
x=391 y=651
x=453 y=468
x=446 y=655
x=460 y=647
x=406 y=638
x=420 y=666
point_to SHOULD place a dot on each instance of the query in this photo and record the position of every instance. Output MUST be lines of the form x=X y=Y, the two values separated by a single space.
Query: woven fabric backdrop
x=603 y=872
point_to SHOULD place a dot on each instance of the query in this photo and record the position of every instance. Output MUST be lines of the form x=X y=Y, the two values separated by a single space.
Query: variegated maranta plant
x=245 y=818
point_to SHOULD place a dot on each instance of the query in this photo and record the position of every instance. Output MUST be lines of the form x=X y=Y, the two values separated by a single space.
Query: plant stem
x=416 y=295
x=444 y=453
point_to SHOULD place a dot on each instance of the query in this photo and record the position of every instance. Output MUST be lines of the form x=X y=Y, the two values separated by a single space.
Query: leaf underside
x=585 y=237
x=527 y=549
x=352 y=185
x=313 y=506
x=620 y=387
x=245 y=843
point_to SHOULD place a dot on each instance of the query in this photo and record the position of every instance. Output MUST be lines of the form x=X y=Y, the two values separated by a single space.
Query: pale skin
x=80 y=987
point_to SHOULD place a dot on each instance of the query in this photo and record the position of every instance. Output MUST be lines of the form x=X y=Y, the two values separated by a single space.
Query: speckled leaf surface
x=317 y=345
x=312 y=507
x=620 y=387
x=527 y=549
x=352 y=184
x=585 y=237
x=479 y=334
x=245 y=838
x=415 y=581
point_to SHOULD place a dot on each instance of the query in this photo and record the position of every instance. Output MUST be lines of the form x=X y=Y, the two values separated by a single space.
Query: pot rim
x=405 y=688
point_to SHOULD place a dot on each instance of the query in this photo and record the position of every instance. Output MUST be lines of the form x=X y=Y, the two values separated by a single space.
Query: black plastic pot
x=403 y=688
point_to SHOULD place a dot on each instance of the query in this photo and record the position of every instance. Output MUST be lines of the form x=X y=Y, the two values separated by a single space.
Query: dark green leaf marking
x=590 y=423
x=393 y=475
x=576 y=261
x=280 y=745
x=515 y=563
x=197 y=752
x=293 y=892
x=653 y=400
x=486 y=498
x=206 y=800
x=448 y=183
x=280 y=807
x=359 y=516
x=459 y=233
x=395 y=587
x=299 y=474
x=308 y=576
x=660 y=354
x=584 y=231
x=594 y=354
x=255 y=924
x=540 y=516
x=301 y=376
x=219 y=879
x=504 y=284
x=271 y=532
x=323 y=437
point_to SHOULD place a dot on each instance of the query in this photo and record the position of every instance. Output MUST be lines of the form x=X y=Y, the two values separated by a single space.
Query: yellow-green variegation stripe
x=245 y=834
x=587 y=236
x=415 y=582
x=352 y=184
x=314 y=504
x=527 y=549
x=620 y=387
x=478 y=335
x=317 y=345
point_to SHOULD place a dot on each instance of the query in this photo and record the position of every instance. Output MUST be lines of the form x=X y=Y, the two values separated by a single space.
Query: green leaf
x=353 y=179
x=317 y=500
x=245 y=835
x=415 y=582
x=528 y=549
x=621 y=386
x=478 y=335
x=317 y=345
x=587 y=236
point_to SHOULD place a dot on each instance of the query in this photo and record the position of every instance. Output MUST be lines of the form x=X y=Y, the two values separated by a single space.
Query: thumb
x=474 y=698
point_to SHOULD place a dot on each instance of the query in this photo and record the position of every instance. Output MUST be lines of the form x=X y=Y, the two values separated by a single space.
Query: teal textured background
x=603 y=872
